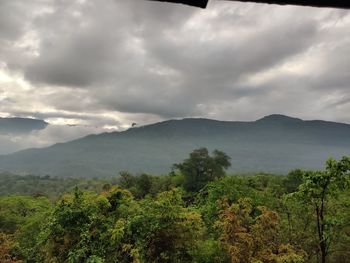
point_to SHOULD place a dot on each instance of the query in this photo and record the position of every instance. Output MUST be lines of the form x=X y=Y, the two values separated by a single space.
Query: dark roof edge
x=196 y=3
x=314 y=3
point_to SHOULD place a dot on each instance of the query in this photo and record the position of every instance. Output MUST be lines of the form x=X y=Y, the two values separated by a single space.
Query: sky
x=102 y=65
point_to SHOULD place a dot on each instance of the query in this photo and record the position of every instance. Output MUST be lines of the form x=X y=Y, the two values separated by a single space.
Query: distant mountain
x=20 y=125
x=275 y=143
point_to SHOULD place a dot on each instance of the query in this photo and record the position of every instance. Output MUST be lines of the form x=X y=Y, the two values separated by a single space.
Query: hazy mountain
x=20 y=125
x=274 y=143
x=14 y=131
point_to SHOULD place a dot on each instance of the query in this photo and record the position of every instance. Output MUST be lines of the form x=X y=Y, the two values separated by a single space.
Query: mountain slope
x=274 y=143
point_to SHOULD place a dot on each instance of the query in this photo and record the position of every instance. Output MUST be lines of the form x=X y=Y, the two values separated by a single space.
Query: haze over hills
x=20 y=125
x=275 y=143
x=15 y=133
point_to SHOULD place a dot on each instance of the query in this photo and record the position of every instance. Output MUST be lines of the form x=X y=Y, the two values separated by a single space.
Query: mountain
x=275 y=143
x=20 y=125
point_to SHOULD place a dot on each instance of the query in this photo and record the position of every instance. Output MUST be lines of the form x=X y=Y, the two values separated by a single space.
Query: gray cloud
x=121 y=61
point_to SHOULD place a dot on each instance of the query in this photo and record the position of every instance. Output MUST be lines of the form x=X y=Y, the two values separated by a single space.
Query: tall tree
x=201 y=168
x=317 y=190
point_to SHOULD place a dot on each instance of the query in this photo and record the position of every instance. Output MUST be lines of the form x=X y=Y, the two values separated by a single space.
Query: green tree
x=165 y=230
x=297 y=224
x=126 y=180
x=292 y=181
x=143 y=185
x=201 y=168
x=83 y=228
x=254 y=239
x=232 y=188
x=7 y=244
x=22 y=217
x=17 y=211
x=319 y=190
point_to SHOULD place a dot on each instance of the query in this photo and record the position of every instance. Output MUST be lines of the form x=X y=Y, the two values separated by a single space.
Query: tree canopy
x=300 y=217
x=201 y=168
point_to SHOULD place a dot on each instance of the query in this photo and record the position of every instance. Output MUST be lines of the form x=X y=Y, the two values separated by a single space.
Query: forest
x=198 y=212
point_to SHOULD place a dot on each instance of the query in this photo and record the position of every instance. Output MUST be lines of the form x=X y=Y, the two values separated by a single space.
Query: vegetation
x=197 y=213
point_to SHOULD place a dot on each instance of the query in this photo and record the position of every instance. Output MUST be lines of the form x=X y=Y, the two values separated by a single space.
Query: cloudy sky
x=106 y=64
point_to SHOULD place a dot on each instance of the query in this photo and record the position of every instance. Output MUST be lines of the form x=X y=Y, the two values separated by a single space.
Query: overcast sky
x=106 y=64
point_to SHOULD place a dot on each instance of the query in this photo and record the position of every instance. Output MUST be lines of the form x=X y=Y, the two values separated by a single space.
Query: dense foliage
x=194 y=214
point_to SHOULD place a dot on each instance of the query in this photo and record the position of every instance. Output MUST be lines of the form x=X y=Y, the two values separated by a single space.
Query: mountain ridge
x=261 y=120
x=274 y=143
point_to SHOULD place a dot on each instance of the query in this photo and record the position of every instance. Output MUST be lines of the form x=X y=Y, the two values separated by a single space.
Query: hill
x=275 y=143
